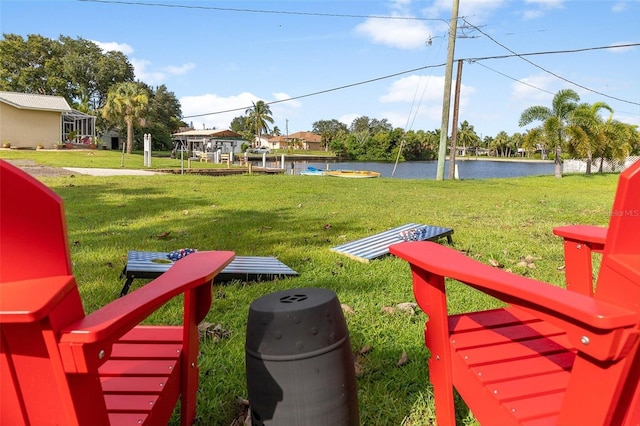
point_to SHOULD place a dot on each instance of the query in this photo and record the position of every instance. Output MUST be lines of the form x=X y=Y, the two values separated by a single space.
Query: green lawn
x=298 y=219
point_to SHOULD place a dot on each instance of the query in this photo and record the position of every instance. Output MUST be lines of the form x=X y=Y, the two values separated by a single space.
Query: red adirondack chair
x=59 y=366
x=551 y=356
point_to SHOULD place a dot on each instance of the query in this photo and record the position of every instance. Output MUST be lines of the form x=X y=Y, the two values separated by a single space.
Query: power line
x=337 y=15
x=531 y=85
x=321 y=91
x=551 y=72
x=485 y=58
x=276 y=12
x=515 y=79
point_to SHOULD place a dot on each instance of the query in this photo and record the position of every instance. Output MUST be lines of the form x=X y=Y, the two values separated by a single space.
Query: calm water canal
x=467 y=169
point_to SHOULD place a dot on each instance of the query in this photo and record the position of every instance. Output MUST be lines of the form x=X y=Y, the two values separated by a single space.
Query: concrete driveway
x=109 y=172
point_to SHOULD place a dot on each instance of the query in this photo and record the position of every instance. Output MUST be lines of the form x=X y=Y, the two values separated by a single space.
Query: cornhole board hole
x=150 y=264
x=374 y=246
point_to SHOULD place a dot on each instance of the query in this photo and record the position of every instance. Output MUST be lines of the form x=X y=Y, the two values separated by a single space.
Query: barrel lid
x=294 y=322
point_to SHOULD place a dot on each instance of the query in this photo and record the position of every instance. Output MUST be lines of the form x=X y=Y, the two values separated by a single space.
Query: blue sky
x=222 y=55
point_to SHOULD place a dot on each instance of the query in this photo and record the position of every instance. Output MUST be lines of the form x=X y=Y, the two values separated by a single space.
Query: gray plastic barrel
x=298 y=359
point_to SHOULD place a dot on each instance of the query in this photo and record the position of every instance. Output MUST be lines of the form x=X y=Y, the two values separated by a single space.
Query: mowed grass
x=298 y=219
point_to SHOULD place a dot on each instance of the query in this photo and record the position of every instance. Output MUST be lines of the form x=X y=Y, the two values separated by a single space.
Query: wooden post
x=454 y=130
x=446 y=101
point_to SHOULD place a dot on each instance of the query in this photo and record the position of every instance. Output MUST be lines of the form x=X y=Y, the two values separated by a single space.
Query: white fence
x=580 y=166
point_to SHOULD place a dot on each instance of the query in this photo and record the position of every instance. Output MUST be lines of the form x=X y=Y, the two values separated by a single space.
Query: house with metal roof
x=28 y=120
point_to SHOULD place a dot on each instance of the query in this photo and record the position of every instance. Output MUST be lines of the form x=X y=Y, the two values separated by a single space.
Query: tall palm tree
x=259 y=117
x=126 y=102
x=554 y=120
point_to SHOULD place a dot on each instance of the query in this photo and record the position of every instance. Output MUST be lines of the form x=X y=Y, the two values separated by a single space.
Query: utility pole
x=454 y=129
x=446 y=98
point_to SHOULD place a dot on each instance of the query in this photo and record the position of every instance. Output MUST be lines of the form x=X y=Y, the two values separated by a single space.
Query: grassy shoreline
x=298 y=221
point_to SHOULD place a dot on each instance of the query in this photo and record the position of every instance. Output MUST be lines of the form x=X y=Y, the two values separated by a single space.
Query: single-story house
x=263 y=140
x=298 y=140
x=28 y=120
x=227 y=141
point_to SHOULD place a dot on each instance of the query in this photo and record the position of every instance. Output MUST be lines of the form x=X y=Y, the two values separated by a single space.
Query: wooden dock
x=211 y=171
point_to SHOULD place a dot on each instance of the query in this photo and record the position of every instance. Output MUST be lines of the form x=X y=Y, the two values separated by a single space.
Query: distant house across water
x=300 y=140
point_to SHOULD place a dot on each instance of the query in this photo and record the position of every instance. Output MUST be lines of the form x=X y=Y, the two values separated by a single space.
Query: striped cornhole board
x=150 y=264
x=375 y=246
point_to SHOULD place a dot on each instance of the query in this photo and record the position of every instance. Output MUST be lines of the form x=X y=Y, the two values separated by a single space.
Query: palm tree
x=501 y=143
x=126 y=102
x=554 y=120
x=259 y=117
x=586 y=132
x=534 y=140
x=467 y=136
x=619 y=139
x=516 y=142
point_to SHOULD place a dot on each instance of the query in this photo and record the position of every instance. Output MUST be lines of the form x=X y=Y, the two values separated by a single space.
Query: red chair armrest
x=595 y=236
x=32 y=300
x=119 y=316
x=584 y=318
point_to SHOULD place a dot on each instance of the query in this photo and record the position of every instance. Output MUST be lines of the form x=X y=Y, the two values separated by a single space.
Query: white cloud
x=549 y=4
x=540 y=8
x=530 y=90
x=208 y=103
x=112 y=45
x=621 y=49
x=348 y=118
x=529 y=15
x=399 y=33
x=620 y=6
x=627 y=118
x=479 y=10
x=142 y=67
x=415 y=87
x=179 y=70
x=236 y=105
x=145 y=72
x=412 y=34
x=422 y=96
x=400 y=3
x=281 y=96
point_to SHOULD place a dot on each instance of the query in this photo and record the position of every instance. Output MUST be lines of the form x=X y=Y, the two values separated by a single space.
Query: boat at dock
x=312 y=171
x=354 y=174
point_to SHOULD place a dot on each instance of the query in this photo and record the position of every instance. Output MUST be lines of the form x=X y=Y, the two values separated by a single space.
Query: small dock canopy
x=208 y=141
x=375 y=246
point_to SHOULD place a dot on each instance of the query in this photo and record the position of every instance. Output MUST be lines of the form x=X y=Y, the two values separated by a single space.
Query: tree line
x=566 y=129
x=93 y=81
x=102 y=84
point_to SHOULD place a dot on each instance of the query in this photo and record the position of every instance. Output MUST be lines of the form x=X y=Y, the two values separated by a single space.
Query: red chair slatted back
x=616 y=384
x=619 y=277
x=33 y=234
